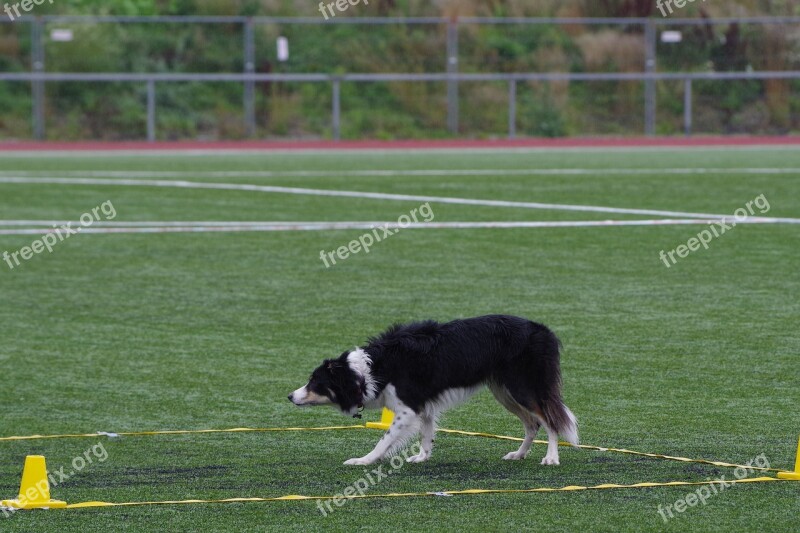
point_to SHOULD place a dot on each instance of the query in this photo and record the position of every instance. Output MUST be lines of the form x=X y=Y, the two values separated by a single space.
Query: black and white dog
x=421 y=369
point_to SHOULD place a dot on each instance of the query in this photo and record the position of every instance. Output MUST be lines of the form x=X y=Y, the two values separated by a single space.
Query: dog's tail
x=547 y=374
x=564 y=422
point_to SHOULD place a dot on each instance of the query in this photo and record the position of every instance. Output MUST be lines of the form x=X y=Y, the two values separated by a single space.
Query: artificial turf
x=129 y=332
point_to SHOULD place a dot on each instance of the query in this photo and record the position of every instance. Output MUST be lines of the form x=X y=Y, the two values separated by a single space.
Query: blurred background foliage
x=116 y=111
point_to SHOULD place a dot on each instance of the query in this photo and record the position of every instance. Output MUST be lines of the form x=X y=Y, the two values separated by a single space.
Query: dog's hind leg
x=551 y=457
x=528 y=420
x=404 y=426
x=542 y=418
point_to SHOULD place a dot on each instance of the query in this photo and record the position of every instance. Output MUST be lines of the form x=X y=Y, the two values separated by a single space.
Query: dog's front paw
x=420 y=457
x=548 y=460
x=359 y=461
x=514 y=456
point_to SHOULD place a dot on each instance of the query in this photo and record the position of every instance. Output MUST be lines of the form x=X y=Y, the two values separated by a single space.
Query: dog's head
x=333 y=382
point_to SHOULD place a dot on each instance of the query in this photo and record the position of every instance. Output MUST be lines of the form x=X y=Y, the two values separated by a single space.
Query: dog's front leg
x=403 y=427
x=426 y=440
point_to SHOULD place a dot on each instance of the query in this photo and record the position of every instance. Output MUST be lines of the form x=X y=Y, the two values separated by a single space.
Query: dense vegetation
x=401 y=110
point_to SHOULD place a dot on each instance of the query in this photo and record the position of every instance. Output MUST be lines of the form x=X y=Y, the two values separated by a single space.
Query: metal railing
x=451 y=76
x=335 y=80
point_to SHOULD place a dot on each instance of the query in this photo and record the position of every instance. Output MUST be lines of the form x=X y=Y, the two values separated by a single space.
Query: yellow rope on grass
x=295 y=497
x=617 y=450
x=171 y=432
x=330 y=428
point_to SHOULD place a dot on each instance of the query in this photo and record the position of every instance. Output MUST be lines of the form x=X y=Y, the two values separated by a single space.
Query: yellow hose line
x=330 y=428
x=617 y=450
x=173 y=432
x=293 y=497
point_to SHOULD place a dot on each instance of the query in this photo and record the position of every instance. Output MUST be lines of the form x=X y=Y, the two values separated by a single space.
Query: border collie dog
x=421 y=369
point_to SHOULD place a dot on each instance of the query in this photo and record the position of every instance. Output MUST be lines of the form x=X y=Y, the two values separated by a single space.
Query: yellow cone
x=386 y=420
x=34 y=491
x=796 y=473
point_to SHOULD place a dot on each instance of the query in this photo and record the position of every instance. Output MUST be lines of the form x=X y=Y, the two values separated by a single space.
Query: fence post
x=687 y=106
x=151 y=110
x=452 y=68
x=650 y=84
x=512 y=108
x=249 y=85
x=337 y=110
x=37 y=86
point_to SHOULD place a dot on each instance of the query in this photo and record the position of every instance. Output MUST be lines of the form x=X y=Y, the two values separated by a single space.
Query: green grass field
x=147 y=331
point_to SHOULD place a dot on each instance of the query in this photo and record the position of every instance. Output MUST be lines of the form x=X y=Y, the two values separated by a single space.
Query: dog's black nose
x=290 y=397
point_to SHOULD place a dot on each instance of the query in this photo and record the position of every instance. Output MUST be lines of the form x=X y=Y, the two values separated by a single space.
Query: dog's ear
x=358 y=393
x=362 y=389
x=351 y=390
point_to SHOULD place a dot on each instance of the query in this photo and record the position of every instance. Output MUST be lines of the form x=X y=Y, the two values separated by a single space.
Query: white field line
x=209 y=227
x=367 y=223
x=360 y=194
x=401 y=173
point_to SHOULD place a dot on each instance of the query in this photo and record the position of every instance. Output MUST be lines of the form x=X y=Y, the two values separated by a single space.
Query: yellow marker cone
x=34 y=491
x=386 y=420
x=796 y=474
